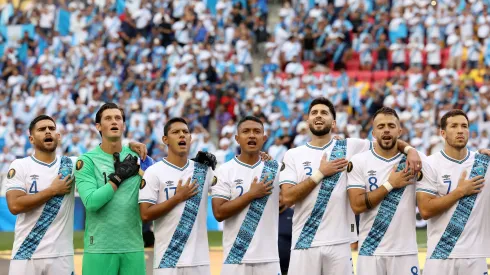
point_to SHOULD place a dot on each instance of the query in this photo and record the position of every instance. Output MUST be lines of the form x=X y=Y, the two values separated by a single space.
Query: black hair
x=107 y=106
x=323 y=101
x=37 y=119
x=452 y=113
x=386 y=111
x=250 y=118
x=169 y=123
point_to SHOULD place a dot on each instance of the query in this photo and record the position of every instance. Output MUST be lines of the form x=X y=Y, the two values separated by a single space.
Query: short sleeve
x=221 y=187
x=287 y=173
x=427 y=179
x=356 y=145
x=15 y=177
x=149 y=187
x=354 y=174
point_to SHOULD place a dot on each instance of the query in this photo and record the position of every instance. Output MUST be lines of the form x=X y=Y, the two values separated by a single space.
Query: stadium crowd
x=180 y=58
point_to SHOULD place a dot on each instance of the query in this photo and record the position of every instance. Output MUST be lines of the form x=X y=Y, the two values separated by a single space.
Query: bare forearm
x=298 y=192
x=157 y=210
x=26 y=203
x=359 y=202
x=435 y=206
x=231 y=208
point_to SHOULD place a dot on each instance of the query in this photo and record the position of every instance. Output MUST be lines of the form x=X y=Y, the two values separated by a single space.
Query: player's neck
x=455 y=153
x=111 y=147
x=175 y=159
x=320 y=141
x=249 y=158
x=46 y=157
x=387 y=154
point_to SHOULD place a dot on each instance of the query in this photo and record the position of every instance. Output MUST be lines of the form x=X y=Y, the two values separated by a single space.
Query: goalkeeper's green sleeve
x=94 y=192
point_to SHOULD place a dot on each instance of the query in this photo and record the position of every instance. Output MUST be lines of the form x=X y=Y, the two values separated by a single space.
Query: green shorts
x=114 y=264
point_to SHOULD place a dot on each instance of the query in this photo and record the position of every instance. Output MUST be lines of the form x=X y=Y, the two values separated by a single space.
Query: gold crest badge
x=215 y=180
x=142 y=184
x=349 y=167
x=79 y=164
x=11 y=173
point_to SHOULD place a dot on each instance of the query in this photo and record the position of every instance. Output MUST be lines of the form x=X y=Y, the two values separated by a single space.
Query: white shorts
x=252 y=269
x=476 y=266
x=188 y=270
x=388 y=265
x=56 y=265
x=322 y=260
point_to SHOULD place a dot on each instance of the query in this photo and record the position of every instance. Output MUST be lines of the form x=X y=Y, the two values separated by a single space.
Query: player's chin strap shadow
x=206 y=158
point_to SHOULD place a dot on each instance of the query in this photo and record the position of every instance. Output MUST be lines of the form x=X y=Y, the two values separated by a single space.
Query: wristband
x=388 y=186
x=406 y=149
x=317 y=176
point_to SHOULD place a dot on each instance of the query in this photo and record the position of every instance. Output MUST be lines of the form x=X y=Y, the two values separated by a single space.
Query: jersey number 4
x=33 y=189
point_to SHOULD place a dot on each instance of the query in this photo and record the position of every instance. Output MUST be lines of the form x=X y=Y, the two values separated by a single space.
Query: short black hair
x=452 y=113
x=171 y=121
x=107 y=106
x=386 y=111
x=250 y=118
x=324 y=101
x=37 y=119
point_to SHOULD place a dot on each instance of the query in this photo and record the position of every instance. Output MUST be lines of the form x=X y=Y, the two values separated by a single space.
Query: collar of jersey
x=455 y=160
x=44 y=163
x=319 y=148
x=175 y=166
x=382 y=158
x=246 y=165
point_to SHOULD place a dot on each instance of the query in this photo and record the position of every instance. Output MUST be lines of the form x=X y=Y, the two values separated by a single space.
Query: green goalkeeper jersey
x=112 y=221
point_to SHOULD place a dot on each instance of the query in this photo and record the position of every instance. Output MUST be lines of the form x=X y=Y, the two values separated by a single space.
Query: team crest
x=350 y=166
x=143 y=183
x=420 y=176
x=79 y=164
x=11 y=173
x=215 y=180
x=283 y=166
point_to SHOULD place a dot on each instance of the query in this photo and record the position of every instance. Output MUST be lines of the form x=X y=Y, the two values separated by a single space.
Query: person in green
x=108 y=182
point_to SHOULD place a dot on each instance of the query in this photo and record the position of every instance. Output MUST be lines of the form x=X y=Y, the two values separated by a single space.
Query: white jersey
x=389 y=228
x=324 y=217
x=260 y=220
x=463 y=231
x=181 y=238
x=47 y=230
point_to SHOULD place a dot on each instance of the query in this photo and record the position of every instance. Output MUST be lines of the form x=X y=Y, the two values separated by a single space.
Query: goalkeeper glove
x=206 y=159
x=125 y=169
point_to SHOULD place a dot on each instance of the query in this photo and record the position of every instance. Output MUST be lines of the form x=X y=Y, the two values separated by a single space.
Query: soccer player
x=312 y=178
x=383 y=193
x=108 y=182
x=40 y=193
x=246 y=198
x=174 y=193
x=452 y=196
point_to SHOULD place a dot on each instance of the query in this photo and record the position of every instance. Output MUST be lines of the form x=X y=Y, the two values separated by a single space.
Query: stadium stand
x=191 y=58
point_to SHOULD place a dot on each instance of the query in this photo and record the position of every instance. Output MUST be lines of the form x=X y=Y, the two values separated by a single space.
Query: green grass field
x=214 y=238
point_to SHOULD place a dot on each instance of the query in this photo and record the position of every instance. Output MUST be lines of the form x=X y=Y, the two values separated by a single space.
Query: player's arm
x=360 y=199
x=431 y=205
x=225 y=208
x=93 y=198
x=414 y=163
x=150 y=211
x=294 y=192
x=19 y=201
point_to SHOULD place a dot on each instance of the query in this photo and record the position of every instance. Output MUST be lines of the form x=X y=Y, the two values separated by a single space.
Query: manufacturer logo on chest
x=238 y=181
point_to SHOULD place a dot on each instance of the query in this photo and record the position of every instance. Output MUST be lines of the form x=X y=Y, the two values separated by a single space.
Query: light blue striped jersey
x=463 y=231
x=47 y=230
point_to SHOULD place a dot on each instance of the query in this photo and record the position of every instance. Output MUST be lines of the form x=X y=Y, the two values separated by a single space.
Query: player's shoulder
x=297 y=150
x=19 y=166
x=362 y=157
x=157 y=167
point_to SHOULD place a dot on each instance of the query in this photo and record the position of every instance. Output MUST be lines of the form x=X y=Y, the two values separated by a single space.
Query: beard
x=47 y=149
x=389 y=146
x=453 y=143
x=321 y=132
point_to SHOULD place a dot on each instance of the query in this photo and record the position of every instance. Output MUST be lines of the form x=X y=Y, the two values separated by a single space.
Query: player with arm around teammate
x=174 y=193
x=312 y=179
x=383 y=193
x=452 y=196
x=108 y=182
x=246 y=198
